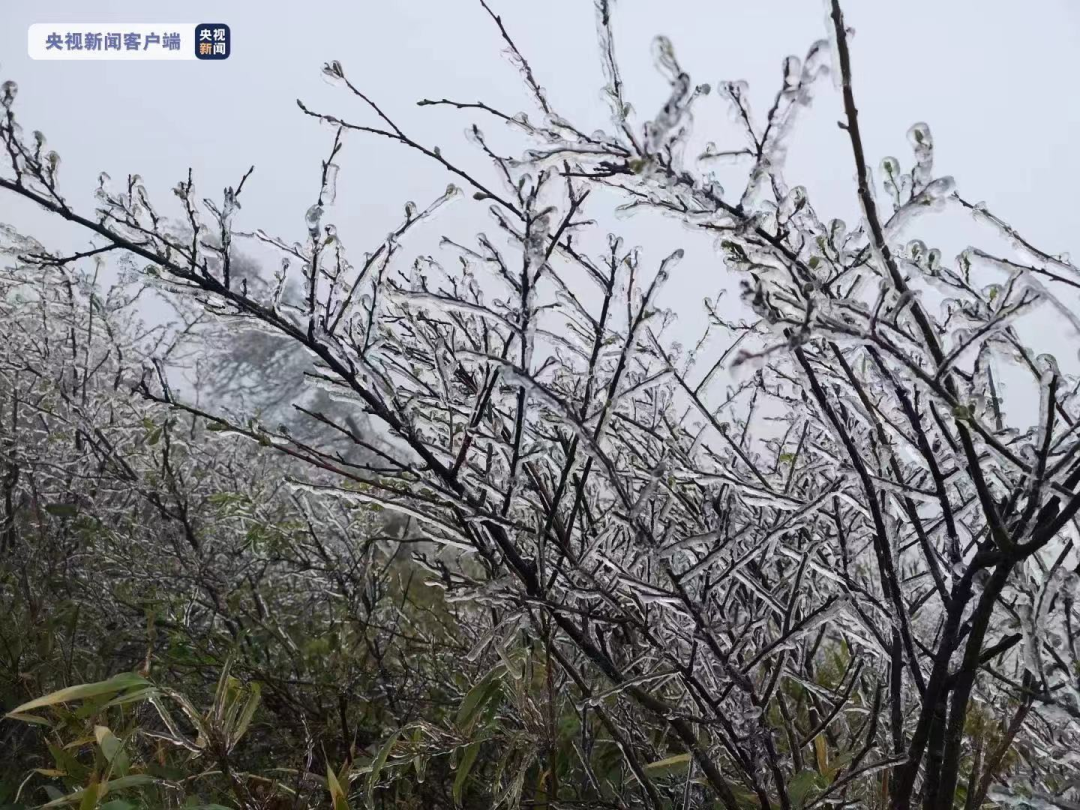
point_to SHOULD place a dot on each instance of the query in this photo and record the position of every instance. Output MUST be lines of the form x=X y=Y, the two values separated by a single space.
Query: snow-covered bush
x=847 y=578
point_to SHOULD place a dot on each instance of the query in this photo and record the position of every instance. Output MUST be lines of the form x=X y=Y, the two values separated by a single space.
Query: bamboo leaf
x=467 y=761
x=92 y=796
x=124 y=782
x=132 y=697
x=247 y=714
x=118 y=683
x=802 y=785
x=28 y=718
x=224 y=686
x=337 y=793
x=377 y=765
x=663 y=767
x=821 y=753
x=479 y=695
x=113 y=749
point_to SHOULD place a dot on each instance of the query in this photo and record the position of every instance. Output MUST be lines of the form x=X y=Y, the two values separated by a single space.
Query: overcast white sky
x=994 y=78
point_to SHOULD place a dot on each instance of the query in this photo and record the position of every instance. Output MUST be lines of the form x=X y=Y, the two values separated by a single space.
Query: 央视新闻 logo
x=212 y=41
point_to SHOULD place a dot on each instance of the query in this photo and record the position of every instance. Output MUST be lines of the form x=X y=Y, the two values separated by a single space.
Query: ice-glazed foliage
x=135 y=538
x=848 y=578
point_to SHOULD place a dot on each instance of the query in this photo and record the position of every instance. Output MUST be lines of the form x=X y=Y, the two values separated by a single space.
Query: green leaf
x=91 y=706
x=337 y=793
x=124 y=782
x=420 y=763
x=480 y=694
x=115 y=684
x=801 y=786
x=28 y=718
x=225 y=686
x=663 y=767
x=821 y=753
x=113 y=749
x=244 y=720
x=91 y=796
x=377 y=765
x=132 y=697
x=62 y=510
x=66 y=762
x=463 y=768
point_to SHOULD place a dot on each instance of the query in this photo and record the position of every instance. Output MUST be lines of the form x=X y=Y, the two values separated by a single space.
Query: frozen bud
x=923 y=145
x=313 y=218
x=793 y=202
x=792 y=72
x=837 y=231
x=474 y=136
x=713 y=190
x=1070 y=587
x=1047 y=365
x=940 y=188
x=329 y=189
x=919 y=136
x=664 y=54
x=333 y=73
x=8 y=91
x=1028 y=453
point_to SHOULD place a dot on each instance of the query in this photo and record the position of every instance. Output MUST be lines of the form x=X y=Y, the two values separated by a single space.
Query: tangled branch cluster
x=849 y=580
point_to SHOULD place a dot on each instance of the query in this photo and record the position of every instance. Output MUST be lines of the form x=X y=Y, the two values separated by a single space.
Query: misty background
x=994 y=80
